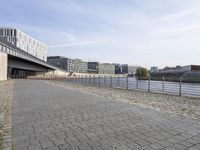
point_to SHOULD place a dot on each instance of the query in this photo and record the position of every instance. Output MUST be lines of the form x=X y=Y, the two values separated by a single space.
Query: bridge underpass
x=20 y=68
x=16 y=63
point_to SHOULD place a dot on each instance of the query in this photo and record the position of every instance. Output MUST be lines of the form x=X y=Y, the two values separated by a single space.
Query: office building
x=93 y=67
x=24 y=42
x=106 y=68
x=154 y=69
x=67 y=64
x=77 y=65
x=117 y=68
x=58 y=61
x=124 y=69
x=132 y=70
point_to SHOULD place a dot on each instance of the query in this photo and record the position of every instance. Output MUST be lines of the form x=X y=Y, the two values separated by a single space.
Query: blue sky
x=138 y=32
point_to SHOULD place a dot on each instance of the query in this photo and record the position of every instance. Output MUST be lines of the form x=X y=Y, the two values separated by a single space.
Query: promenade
x=53 y=116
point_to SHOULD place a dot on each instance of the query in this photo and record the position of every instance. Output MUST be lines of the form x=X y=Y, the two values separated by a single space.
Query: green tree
x=141 y=72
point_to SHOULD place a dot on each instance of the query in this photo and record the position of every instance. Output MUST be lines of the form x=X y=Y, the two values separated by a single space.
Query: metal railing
x=180 y=86
x=133 y=83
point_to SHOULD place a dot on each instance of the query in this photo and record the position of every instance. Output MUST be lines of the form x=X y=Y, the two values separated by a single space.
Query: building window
x=1 y=32
x=4 y=48
x=15 y=34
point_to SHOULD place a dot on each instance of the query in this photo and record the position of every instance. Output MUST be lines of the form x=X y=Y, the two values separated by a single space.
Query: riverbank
x=6 y=88
x=183 y=106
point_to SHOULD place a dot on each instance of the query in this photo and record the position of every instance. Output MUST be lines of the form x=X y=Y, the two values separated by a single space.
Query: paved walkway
x=52 y=117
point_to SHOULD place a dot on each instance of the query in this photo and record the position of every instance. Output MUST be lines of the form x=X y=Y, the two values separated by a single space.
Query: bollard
x=137 y=82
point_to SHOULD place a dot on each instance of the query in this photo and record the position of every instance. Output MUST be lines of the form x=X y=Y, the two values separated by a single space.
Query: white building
x=132 y=70
x=106 y=68
x=154 y=69
x=24 y=42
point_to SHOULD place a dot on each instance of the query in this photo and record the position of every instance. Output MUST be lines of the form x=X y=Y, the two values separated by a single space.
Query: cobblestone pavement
x=5 y=115
x=184 y=106
x=51 y=117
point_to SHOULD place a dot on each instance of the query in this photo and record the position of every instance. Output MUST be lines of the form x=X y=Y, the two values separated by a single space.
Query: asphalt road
x=52 y=117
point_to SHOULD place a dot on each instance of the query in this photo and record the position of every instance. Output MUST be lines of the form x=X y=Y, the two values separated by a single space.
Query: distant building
x=77 y=65
x=106 y=68
x=154 y=69
x=117 y=68
x=181 y=69
x=124 y=69
x=24 y=42
x=190 y=68
x=93 y=67
x=132 y=70
x=71 y=65
x=58 y=61
x=178 y=71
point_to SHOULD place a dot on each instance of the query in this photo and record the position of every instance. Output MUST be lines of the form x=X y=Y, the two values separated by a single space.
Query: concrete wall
x=3 y=66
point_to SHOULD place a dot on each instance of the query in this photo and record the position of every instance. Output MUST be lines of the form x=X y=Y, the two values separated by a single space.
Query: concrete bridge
x=16 y=63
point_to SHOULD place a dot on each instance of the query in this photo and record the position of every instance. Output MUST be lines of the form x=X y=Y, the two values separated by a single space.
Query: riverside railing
x=133 y=83
x=178 y=86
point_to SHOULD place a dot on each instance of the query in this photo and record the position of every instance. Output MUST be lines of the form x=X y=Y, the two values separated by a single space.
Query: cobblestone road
x=52 y=117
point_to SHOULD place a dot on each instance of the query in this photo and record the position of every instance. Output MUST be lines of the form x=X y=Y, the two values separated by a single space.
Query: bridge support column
x=3 y=66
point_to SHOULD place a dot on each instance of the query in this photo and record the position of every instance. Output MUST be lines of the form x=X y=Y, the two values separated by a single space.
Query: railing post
x=104 y=81
x=94 y=80
x=82 y=79
x=163 y=84
x=89 y=79
x=127 y=82
x=149 y=84
x=118 y=81
x=111 y=81
x=137 y=82
x=180 y=86
x=99 y=81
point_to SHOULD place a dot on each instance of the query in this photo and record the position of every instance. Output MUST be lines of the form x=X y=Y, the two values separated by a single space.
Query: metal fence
x=132 y=83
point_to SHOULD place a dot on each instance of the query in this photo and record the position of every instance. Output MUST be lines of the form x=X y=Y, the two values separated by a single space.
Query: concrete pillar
x=3 y=66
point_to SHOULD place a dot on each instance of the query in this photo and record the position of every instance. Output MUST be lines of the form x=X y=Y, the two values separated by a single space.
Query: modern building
x=124 y=69
x=106 y=68
x=16 y=63
x=77 y=65
x=24 y=42
x=154 y=69
x=93 y=67
x=189 y=71
x=117 y=68
x=58 y=61
x=132 y=70
x=67 y=64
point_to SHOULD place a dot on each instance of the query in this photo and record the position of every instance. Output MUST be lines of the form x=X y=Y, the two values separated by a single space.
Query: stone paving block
x=48 y=117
